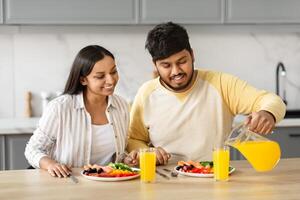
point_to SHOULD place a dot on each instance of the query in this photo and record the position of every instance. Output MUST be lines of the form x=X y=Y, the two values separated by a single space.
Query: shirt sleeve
x=43 y=139
x=243 y=98
x=138 y=133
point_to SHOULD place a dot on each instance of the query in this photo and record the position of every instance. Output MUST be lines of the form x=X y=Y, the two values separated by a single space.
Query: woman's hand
x=54 y=168
x=59 y=170
x=261 y=122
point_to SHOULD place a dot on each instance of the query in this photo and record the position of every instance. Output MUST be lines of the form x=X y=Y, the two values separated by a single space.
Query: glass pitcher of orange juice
x=263 y=154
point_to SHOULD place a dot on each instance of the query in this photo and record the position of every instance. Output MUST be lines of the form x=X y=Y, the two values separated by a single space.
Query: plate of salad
x=197 y=169
x=111 y=172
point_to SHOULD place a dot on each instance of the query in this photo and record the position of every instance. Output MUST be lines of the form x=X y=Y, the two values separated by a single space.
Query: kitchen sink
x=292 y=114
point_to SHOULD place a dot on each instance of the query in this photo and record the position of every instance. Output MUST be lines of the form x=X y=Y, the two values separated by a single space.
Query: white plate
x=232 y=169
x=94 y=178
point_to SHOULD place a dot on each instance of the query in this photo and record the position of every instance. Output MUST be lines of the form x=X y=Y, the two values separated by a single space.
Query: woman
x=88 y=123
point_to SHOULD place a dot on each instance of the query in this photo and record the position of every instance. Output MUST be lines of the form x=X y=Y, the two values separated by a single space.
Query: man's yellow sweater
x=191 y=123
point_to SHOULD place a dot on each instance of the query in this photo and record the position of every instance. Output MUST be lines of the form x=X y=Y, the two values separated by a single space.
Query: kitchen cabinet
x=2 y=153
x=71 y=11
x=14 y=151
x=12 y=148
x=289 y=140
x=188 y=11
x=262 y=11
x=149 y=11
x=1 y=11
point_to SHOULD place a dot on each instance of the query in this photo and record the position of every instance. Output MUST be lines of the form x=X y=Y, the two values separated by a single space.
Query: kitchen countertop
x=18 y=125
x=283 y=182
x=28 y=125
x=287 y=122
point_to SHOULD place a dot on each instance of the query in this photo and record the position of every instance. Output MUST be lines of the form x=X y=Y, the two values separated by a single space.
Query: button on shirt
x=64 y=132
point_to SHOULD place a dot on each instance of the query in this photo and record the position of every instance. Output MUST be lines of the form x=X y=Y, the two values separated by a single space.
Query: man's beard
x=180 y=87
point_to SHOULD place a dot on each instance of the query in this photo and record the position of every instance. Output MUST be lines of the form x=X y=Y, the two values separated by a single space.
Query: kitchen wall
x=38 y=58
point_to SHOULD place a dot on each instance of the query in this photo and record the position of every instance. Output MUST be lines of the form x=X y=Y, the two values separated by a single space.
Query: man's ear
x=83 y=80
x=155 y=72
x=192 y=55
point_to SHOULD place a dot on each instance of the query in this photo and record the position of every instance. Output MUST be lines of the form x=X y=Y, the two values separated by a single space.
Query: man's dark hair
x=167 y=39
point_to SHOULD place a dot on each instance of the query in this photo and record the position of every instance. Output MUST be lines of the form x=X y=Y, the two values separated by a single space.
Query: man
x=185 y=111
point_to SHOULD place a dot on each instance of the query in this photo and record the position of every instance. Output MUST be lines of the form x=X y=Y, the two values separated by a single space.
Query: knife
x=73 y=178
x=162 y=175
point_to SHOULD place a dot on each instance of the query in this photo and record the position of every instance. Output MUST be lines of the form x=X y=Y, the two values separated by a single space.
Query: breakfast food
x=204 y=167
x=110 y=171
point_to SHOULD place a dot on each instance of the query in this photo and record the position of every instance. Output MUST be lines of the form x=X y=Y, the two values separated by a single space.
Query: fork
x=173 y=173
x=162 y=175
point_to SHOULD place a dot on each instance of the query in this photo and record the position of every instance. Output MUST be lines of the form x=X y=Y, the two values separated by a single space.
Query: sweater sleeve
x=243 y=98
x=138 y=133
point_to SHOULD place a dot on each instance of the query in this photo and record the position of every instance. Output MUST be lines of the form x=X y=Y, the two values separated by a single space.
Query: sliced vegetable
x=207 y=163
x=203 y=167
x=112 y=170
x=121 y=166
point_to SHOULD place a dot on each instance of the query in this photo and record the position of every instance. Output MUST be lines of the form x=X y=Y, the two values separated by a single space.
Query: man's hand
x=162 y=156
x=260 y=122
x=132 y=159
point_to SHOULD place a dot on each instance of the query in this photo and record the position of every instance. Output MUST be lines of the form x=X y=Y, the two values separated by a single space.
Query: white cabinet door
x=182 y=11
x=71 y=11
x=263 y=11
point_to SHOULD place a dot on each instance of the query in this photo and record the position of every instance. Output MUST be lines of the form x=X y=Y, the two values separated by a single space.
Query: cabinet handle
x=294 y=135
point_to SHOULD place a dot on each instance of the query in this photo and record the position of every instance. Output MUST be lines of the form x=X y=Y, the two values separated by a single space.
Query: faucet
x=283 y=74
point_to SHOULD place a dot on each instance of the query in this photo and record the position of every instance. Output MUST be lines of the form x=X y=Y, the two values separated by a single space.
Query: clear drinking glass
x=147 y=164
x=221 y=163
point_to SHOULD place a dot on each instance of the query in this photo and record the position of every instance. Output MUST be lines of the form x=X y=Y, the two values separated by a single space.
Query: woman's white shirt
x=103 y=145
x=64 y=132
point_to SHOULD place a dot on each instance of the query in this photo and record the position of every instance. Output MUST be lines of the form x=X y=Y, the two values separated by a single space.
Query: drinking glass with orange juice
x=221 y=163
x=262 y=153
x=147 y=164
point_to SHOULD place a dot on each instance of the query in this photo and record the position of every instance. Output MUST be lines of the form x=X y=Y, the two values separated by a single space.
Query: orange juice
x=221 y=163
x=263 y=155
x=147 y=165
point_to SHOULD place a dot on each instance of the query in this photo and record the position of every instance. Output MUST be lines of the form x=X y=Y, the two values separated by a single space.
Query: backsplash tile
x=37 y=58
x=7 y=97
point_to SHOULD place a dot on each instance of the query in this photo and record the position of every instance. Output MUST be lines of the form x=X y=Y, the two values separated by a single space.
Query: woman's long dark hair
x=83 y=65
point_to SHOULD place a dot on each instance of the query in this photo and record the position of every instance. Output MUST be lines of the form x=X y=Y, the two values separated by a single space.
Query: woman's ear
x=83 y=80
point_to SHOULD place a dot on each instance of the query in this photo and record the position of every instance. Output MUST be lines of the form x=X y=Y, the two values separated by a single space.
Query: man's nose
x=176 y=70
